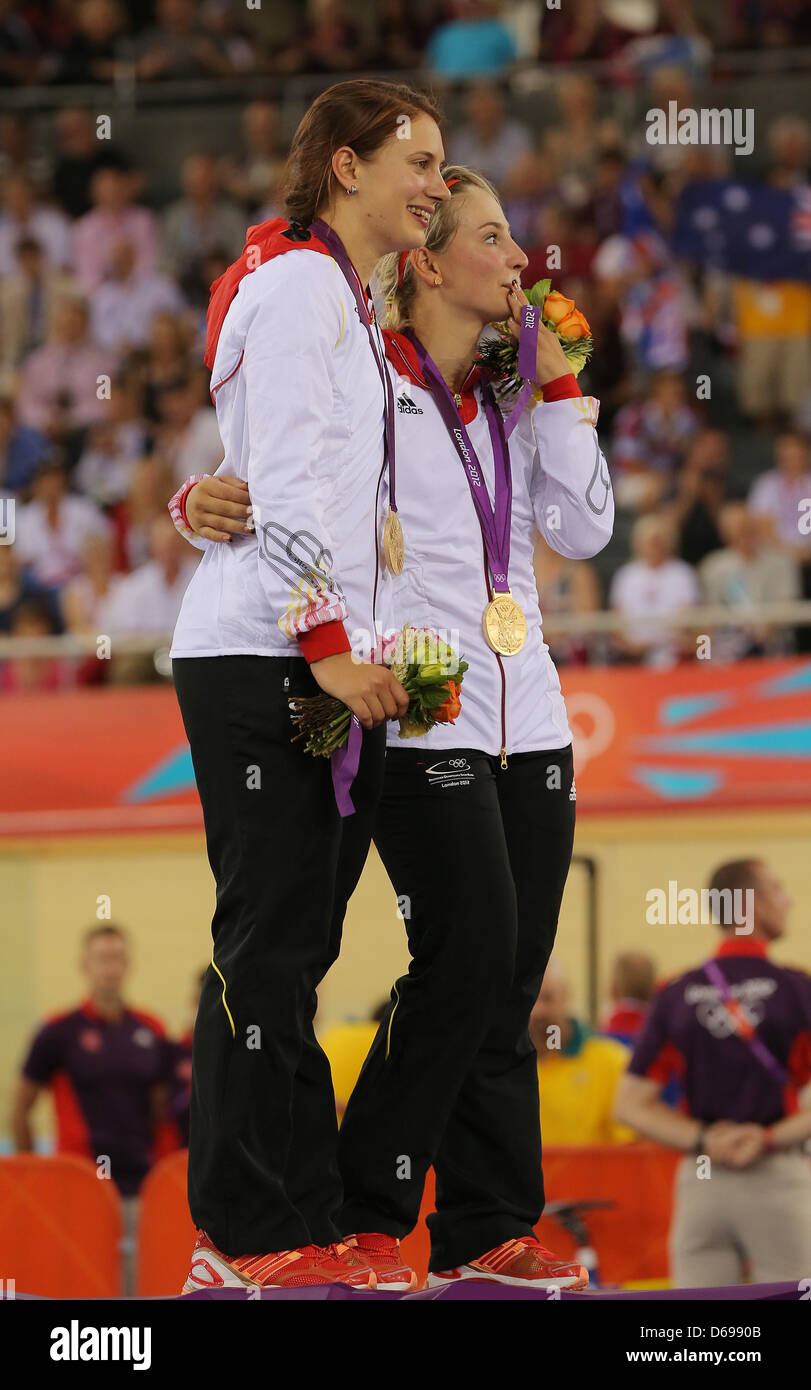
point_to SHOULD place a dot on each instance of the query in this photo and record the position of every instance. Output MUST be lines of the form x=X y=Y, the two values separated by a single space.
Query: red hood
x=403 y=356
x=269 y=239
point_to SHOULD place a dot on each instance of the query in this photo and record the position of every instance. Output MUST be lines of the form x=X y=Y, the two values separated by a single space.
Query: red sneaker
x=382 y=1254
x=523 y=1262
x=311 y=1264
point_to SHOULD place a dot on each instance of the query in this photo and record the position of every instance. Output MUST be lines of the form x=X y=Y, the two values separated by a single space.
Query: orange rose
x=575 y=325
x=447 y=713
x=556 y=306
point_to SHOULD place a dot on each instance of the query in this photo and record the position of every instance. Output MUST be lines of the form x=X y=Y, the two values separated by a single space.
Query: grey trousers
x=754 y=1221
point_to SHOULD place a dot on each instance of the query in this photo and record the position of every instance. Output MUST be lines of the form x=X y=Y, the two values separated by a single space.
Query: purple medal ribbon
x=527 y=362
x=338 y=252
x=344 y=761
x=495 y=522
x=758 y=1048
x=344 y=767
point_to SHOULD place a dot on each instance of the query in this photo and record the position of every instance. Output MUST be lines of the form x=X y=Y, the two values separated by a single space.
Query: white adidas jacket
x=561 y=487
x=300 y=410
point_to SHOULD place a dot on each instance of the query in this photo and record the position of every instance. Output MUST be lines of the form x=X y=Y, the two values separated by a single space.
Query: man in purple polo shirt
x=737 y=1034
x=108 y=1068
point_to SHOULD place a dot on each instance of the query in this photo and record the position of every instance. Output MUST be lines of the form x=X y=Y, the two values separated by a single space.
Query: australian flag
x=753 y=230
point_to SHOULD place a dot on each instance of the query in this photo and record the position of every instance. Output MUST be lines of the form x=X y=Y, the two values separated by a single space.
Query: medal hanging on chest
x=503 y=622
x=505 y=626
x=393 y=542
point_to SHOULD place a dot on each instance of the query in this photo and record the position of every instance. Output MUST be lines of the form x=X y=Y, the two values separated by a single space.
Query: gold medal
x=505 y=627
x=393 y=546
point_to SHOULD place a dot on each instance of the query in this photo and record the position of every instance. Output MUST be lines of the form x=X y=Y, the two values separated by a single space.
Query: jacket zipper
x=377 y=556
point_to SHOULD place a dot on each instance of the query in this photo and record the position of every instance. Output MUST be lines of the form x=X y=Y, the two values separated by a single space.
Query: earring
x=353 y=189
x=437 y=279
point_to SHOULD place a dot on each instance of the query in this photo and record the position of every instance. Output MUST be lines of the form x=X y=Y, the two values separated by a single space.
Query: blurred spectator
x=17 y=586
x=53 y=527
x=633 y=979
x=93 y=50
x=779 y=493
x=773 y=325
x=181 y=1067
x=19 y=50
x=489 y=141
x=328 y=41
x=197 y=291
x=747 y=571
x=22 y=449
x=59 y=383
x=607 y=375
x=582 y=144
x=654 y=309
x=28 y=301
x=18 y=155
x=188 y=435
x=28 y=675
x=108 y=1067
x=80 y=155
x=653 y=583
x=24 y=219
x=123 y=307
x=113 y=446
x=401 y=37
x=578 y=1072
x=252 y=180
x=531 y=187
x=474 y=43
x=565 y=586
x=114 y=218
x=152 y=482
x=702 y=486
x=177 y=46
x=650 y=440
x=165 y=360
x=556 y=226
x=735 y=1030
x=224 y=26
x=790 y=150
x=201 y=221
x=605 y=205
x=575 y=33
x=767 y=23
x=633 y=984
x=148 y=600
x=85 y=596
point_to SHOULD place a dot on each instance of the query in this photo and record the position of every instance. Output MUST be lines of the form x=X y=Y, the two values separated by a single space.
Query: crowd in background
x=86 y=41
x=704 y=377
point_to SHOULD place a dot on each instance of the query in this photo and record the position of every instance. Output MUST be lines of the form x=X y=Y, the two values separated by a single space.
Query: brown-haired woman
x=476 y=823
x=300 y=386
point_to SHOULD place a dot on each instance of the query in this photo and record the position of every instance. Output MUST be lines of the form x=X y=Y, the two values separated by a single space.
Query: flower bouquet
x=500 y=355
x=428 y=669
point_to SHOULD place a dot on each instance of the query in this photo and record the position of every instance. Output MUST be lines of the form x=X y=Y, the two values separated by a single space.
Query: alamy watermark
x=706 y=126
x=690 y=907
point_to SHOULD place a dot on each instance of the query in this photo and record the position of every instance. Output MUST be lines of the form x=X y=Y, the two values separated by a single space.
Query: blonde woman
x=476 y=822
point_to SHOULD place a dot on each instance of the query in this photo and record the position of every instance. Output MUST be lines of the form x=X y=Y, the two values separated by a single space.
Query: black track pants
x=263 y=1172
x=480 y=855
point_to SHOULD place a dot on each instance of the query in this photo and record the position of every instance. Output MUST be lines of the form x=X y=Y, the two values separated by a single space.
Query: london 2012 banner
x=113 y=761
